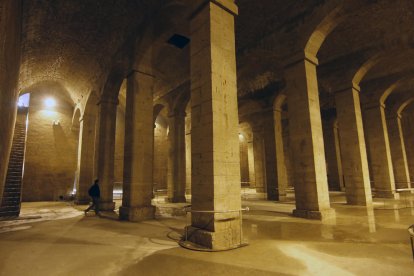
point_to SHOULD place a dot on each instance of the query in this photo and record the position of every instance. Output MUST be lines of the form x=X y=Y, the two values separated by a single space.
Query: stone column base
x=136 y=213
x=358 y=195
x=176 y=199
x=106 y=205
x=272 y=196
x=82 y=201
x=260 y=190
x=230 y=238
x=406 y=192
x=358 y=202
x=326 y=214
x=277 y=197
x=387 y=194
x=283 y=198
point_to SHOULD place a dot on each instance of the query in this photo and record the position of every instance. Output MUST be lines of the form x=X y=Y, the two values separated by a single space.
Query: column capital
x=394 y=116
x=353 y=87
x=108 y=101
x=299 y=57
x=174 y=114
x=227 y=5
x=136 y=71
x=373 y=105
x=267 y=111
x=257 y=129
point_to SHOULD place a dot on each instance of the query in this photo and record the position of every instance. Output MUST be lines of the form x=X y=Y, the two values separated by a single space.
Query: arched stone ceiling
x=399 y=63
x=265 y=32
x=400 y=96
x=409 y=109
x=76 y=42
x=52 y=89
x=379 y=28
x=378 y=25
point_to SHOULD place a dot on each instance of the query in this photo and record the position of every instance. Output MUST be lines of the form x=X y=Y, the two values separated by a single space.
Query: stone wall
x=330 y=155
x=244 y=161
x=408 y=131
x=51 y=150
x=188 y=149
x=288 y=154
x=119 y=146
x=10 y=33
x=160 y=153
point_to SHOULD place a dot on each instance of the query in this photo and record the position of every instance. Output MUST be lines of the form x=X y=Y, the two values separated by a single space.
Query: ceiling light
x=49 y=102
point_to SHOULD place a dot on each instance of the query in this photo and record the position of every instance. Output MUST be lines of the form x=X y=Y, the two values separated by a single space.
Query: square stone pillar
x=250 y=159
x=379 y=150
x=339 y=157
x=398 y=152
x=282 y=175
x=176 y=158
x=306 y=140
x=138 y=149
x=408 y=131
x=271 y=180
x=106 y=152
x=331 y=154
x=188 y=154
x=353 y=149
x=259 y=159
x=86 y=153
x=216 y=200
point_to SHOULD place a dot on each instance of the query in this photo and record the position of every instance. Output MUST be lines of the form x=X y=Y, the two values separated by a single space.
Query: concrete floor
x=55 y=238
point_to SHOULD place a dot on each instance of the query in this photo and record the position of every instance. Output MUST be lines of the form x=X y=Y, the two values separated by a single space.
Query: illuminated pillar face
x=215 y=149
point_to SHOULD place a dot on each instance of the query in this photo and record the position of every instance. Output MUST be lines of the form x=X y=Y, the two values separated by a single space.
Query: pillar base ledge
x=280 y=197
x=387 y=194
x=176 y=199
x=106 y=206
x=82 y=201
x=283 y=198
x=260 y=190
x=136 y=213
x=326 y=214
x=406 y=191
x=214 y=241
x=359 y=203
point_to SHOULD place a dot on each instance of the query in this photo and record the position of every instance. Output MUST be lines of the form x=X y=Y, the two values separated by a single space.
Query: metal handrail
x=411 y=232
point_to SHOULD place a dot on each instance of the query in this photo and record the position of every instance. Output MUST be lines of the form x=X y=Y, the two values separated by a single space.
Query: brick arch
x=279 y=101
x=326 y=25
x=404 y=105
x=392 y=88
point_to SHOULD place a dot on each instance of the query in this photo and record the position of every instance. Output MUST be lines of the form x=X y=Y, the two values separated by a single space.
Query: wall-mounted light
x=50 y=102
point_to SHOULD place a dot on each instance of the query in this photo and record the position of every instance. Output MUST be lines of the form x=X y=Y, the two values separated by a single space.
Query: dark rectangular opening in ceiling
x=178 y=41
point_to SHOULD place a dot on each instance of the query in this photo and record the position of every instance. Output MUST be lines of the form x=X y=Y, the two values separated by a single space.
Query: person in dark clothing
x=95 y=193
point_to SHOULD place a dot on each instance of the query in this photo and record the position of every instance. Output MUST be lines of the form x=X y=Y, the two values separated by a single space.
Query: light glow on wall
x=48 y=114
x=50 y=102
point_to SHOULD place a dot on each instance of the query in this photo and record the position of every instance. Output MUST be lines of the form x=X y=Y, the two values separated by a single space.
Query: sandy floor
x=55 y=238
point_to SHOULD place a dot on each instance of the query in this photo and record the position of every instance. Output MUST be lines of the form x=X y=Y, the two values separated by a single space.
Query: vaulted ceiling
x=78 y=43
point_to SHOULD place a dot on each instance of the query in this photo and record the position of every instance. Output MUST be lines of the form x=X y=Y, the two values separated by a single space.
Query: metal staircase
x=10 y=204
